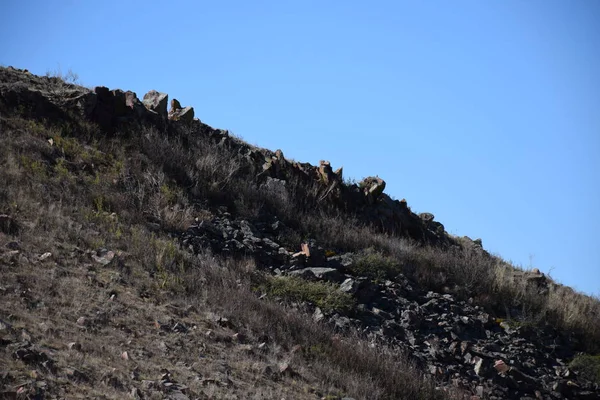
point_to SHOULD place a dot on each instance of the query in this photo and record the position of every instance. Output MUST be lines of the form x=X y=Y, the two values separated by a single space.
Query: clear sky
x=484 y=113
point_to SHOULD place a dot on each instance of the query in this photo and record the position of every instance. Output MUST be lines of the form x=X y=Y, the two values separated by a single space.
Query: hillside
x=145 y=254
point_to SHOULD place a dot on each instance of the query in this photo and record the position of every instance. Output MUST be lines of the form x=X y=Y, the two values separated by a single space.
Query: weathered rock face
x=111 y=107
x=40 y=97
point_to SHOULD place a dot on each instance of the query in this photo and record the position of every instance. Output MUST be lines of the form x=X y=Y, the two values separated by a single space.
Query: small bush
x=587 y=366
x=375 y=265
x=323 y=295
x=34 y=167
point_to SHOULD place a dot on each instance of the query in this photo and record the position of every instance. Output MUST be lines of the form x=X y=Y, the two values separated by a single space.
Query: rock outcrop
x=114 y=109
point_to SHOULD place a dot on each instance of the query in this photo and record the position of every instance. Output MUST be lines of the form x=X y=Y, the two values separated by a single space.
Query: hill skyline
x=484 y=115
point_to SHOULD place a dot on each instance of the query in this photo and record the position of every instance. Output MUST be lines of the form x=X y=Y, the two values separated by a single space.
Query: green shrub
x=324 y=295
x=375 y=265
x=587 y=366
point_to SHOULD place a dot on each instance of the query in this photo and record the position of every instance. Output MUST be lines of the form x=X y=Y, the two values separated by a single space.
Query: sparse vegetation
x=112 y=203
x=587 y=366
x=376 y=266
x=70 y=76
x=324 y=295
x=132 y=193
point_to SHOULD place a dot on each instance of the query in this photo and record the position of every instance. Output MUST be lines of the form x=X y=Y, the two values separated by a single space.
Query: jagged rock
x=372 y=186
x=349 y=286
x=318 y=315
x=156 y=102
x=427 y=217
x=178 y=113
x=113 y=106
x=339 y=174
x=326 y=174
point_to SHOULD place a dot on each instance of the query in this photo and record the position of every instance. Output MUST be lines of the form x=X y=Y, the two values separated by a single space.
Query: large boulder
x=156 y=102
x=372 y=187
x=178 y=113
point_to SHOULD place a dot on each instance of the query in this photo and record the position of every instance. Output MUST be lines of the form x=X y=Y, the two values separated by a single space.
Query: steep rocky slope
x=147 y=254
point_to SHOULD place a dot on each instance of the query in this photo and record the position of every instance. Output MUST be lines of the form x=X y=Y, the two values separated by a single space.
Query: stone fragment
x=349 y=286
x=74 y=346
x=481 y=366
x=103 y=256
x=318 y=315
x=501 y=366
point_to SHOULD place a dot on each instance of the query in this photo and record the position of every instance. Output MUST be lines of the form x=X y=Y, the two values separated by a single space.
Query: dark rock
x=426 y=217
x=8 y=225
x=482 y=367
x=372 y=187
x=13 y=245
x=328 y=274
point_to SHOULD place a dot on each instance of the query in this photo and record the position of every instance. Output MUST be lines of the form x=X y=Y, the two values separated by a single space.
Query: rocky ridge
x=458 y=342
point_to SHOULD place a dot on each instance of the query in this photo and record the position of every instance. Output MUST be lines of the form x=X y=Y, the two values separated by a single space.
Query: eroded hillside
x=146 y=254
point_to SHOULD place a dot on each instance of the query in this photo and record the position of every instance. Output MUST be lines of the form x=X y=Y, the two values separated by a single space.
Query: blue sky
x=484 y=113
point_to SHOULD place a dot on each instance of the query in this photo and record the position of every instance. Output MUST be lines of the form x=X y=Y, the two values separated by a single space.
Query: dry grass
x=84 y=192
x=132 y=192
